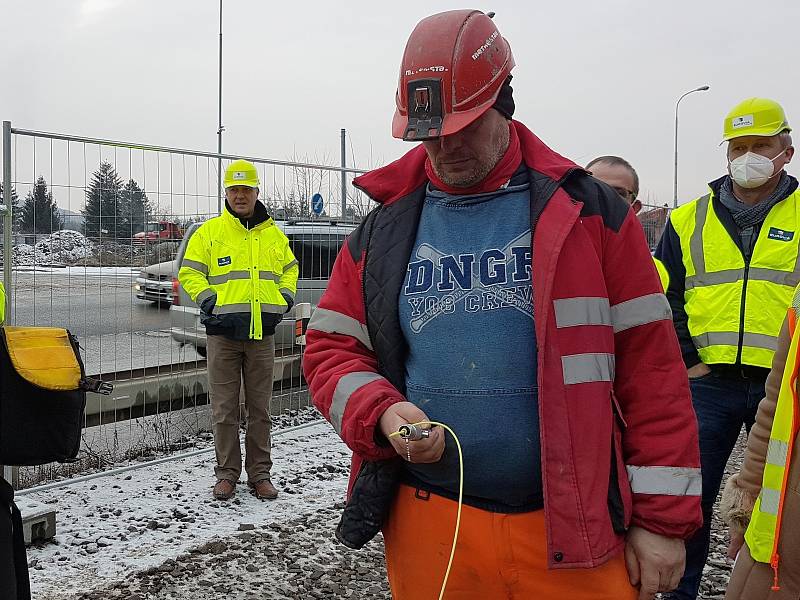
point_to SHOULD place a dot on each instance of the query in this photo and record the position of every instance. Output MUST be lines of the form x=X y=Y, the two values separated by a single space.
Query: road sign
x=317 y=203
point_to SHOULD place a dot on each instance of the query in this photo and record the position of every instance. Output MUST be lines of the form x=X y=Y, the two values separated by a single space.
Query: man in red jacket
x=501 y=290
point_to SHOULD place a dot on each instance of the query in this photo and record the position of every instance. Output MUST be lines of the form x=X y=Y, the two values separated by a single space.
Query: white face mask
x=752 y=170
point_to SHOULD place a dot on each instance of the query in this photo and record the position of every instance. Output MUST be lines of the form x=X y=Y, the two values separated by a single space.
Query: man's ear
x=636 y=206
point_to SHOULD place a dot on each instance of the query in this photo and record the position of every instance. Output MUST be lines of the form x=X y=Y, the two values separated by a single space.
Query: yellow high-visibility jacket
x=248 y=276
x=763 y=533
x=733 y=307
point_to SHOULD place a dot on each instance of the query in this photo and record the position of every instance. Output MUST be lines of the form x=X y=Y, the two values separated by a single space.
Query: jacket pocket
x=619 y=490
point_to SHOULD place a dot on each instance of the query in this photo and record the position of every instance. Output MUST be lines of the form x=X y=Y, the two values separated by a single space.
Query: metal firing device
x=413 y=433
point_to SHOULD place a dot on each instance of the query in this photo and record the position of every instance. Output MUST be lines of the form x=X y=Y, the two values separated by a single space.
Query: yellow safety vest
x=731 y=304
x=764 y=530
x=248 y=270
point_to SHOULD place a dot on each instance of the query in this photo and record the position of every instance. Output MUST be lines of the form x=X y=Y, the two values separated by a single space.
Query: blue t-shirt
x=466 y=310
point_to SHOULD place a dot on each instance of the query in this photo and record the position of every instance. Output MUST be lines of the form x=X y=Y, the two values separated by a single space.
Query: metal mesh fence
x=98 y=227
x=653 y=219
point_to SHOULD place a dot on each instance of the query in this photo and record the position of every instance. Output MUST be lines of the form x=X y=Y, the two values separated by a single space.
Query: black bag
x=42 y=395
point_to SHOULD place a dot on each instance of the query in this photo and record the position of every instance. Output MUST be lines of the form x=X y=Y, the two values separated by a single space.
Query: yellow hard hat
x=755 y=116
x=241 y=172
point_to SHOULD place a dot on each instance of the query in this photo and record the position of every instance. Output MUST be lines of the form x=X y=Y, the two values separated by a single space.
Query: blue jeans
x=722 y=405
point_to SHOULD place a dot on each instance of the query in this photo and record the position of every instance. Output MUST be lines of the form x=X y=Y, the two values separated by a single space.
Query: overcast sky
x=591 y=78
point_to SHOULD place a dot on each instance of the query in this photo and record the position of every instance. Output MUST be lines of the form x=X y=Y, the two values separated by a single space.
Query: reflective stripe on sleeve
x=586 y=368
x=196 y=265
x=640 y=311
x=665 y=481
x=206 y=293
x=572 y=312
x=345 y=388
x=330 y=321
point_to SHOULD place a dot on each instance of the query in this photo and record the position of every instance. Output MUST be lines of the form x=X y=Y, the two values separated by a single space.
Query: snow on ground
x=157 y=534
x=112 y=527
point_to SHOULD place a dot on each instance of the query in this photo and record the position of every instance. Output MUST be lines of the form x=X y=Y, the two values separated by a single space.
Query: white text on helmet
x=489 y=41
x=436 y=69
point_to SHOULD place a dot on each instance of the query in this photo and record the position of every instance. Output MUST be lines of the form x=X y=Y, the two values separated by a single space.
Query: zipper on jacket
x=742 y=309
x=774 y=564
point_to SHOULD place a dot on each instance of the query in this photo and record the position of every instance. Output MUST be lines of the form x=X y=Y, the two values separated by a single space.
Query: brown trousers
x=228 y=363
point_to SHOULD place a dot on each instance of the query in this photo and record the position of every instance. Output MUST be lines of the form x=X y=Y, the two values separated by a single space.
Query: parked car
x=155 y=282
x=315 y=244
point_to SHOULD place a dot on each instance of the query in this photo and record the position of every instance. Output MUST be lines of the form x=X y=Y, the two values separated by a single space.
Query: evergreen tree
x=40 y=213
x=135 y=208
x=15 y=211
x=104 y=211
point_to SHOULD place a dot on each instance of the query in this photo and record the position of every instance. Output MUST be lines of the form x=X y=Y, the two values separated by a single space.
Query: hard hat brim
x=760 y=132
x=452 y=123
x=241 y=183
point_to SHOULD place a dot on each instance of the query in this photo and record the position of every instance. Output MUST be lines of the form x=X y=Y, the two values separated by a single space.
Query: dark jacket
x=14 y=582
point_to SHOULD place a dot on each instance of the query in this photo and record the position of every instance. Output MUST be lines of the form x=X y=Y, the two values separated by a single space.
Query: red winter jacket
x=618 y=432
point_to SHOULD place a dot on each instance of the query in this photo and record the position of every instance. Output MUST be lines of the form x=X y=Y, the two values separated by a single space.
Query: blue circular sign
x=317 y=203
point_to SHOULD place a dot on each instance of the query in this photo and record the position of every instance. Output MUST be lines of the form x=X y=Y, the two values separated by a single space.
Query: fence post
x=8 y=235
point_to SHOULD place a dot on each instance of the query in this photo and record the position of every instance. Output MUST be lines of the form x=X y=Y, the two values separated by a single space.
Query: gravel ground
x=298 y=558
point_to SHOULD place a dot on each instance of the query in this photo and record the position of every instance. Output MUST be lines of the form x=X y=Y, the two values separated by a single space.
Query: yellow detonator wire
x=403 y=432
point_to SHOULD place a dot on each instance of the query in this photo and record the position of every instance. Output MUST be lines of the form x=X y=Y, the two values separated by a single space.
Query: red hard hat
x=453 y=67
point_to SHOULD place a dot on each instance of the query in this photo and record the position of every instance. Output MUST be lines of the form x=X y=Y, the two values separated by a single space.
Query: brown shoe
x=225 y=489
x=263 y=490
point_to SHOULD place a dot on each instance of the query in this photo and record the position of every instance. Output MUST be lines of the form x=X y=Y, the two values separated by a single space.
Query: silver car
x=315 y=244
x=155 y=282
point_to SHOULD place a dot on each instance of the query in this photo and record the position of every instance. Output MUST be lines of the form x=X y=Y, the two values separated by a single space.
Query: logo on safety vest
x=780 y=234
x=224 y=261
x=743 y=121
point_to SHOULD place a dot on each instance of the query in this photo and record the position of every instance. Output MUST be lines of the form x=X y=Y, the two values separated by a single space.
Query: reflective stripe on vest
x=763 y=533
x=717 y=276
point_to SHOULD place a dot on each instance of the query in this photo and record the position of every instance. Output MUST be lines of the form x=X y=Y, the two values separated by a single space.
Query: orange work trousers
x=498 y=556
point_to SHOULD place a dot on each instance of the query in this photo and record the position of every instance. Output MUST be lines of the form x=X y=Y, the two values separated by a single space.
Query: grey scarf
x=749 y=216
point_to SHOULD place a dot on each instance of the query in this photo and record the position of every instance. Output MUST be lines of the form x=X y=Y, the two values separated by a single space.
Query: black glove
x=289 y=302
x=207 y=305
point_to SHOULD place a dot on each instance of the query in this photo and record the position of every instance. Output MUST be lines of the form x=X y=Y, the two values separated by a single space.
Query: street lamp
x=677 y=104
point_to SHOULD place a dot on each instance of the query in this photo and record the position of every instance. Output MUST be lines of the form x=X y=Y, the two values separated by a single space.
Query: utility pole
x=220 y=128
x=344 y=175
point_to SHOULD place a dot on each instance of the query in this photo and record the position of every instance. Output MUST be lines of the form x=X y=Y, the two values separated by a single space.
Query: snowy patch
x=112 y=527
x=59 y=248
